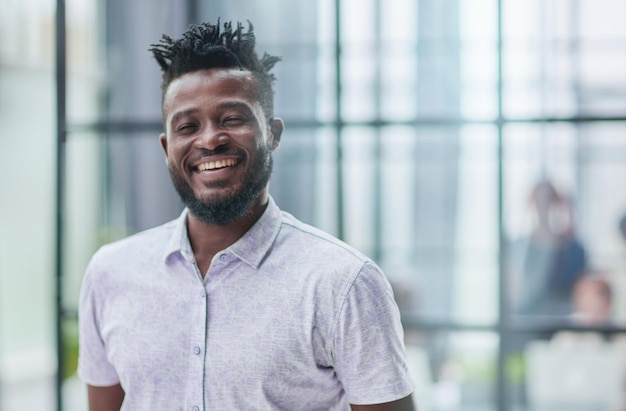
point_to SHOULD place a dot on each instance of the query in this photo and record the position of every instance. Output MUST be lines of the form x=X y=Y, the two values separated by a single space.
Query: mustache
x=222 y=151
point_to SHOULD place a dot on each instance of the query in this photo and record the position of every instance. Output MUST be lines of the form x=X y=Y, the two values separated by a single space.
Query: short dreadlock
x=204 y=46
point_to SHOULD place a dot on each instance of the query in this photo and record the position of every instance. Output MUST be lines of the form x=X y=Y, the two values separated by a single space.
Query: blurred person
x=592 y=299
x=593 y=307
x=235 y=305
x=550 y=260
x=619 y=279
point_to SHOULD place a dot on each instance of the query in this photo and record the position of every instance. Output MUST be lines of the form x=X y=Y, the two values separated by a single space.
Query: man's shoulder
x=151 y=240
x=308 y=239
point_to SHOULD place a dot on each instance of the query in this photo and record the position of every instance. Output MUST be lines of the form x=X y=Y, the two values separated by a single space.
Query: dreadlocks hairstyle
x=206 y=46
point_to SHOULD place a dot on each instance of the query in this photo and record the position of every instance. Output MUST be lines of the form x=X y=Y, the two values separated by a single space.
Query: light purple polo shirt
x=287 y=318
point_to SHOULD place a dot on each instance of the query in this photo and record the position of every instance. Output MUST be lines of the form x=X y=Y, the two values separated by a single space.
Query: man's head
x=593 y=298
x=219 y=129
x=208 y=46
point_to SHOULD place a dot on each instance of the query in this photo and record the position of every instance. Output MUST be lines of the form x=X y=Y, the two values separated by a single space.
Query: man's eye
x=186 y=128
x=233 y=121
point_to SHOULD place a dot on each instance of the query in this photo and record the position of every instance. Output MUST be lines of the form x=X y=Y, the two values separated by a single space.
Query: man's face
x=218 y=143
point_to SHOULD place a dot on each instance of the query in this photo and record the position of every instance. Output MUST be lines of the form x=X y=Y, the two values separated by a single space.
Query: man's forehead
x=246 y=77
x=232 y=81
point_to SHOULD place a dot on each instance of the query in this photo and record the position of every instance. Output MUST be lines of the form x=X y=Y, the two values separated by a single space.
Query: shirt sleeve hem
x=97 y=382
x=384 y=396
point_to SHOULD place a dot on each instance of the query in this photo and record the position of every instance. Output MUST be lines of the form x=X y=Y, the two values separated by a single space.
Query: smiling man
x=235 y=305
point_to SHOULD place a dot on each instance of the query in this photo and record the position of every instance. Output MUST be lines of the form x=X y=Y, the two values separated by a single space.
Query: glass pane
x=435 y=192
x=296 y=39
x=476 y=238
x=478 y=33
x=326 y=177
x=402 y=193
x=563 y=58
x=297 y=80
x=358 y=83
x=546 y=253
x=132 y=76
x=84 y=193
x=409 y=62
x=85 y=71
x=134 y=179
x=561 y=217
x=398 y=98
x=421 y=200
x=603 y=205
x=439 y=60
x=397 y=177
x=566 y=370
x=293 y=184
x=603 y=83
x=359 y=161
x=453 y=371
x=398 y=60
x=27 y=218
x=358 y=60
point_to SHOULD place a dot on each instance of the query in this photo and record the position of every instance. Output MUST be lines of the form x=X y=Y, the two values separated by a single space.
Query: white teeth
x=211 y=165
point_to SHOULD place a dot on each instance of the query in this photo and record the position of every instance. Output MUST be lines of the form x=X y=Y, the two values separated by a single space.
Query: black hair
x=206 y=46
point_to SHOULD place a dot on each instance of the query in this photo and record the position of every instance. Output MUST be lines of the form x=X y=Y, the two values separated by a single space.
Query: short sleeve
x=93 y=366
x=369 y=353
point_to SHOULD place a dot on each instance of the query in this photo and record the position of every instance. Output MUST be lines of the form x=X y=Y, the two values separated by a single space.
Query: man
x=235 y=305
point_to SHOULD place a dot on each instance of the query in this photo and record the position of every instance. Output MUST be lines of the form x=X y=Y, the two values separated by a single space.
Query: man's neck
x=207 y=240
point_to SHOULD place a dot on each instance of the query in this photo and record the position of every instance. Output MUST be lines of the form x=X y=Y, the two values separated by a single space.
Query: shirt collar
x=179 y=242
x=251 y=248
x=254 y=245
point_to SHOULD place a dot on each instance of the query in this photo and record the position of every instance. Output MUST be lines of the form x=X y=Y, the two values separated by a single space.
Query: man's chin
x=217 y=194
x=220 y=210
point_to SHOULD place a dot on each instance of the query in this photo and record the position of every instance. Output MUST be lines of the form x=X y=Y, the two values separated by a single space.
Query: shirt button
x=196 y=408
x=223 y=257
x=196 y=350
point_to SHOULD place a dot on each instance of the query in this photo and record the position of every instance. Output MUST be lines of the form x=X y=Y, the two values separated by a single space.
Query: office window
x=428 y=134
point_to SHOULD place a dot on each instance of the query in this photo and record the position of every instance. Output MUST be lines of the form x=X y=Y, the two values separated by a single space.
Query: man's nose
x=212 y=137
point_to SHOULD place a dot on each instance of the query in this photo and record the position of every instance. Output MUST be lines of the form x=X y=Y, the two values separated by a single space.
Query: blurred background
x=476 y=149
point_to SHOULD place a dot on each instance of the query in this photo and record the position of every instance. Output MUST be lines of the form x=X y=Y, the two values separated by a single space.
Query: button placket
x=195 y=390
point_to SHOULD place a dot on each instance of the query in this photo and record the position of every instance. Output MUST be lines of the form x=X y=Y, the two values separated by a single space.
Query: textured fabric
x=287 y=318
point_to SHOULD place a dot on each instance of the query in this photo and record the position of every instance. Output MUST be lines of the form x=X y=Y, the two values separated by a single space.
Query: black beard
x=222 y=211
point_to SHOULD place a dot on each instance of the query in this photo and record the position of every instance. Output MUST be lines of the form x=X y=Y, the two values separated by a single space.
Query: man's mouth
x=214 y=165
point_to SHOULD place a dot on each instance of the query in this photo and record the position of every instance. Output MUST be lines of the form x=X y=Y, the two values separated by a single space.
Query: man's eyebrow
x=182 y=113
x=235 y=104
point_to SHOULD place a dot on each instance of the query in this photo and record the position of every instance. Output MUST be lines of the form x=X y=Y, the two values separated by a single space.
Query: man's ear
x=163 y=139
x=276 y=128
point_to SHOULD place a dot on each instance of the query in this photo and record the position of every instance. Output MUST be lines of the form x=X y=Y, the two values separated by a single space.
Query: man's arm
x=405 y=404
x=105 y=398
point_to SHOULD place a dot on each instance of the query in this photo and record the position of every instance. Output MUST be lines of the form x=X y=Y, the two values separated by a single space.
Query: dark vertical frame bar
x=339 y=123
x=502 y=395
x=193 y=9
x=60 y=193
x=576 y=61
x=378 y=190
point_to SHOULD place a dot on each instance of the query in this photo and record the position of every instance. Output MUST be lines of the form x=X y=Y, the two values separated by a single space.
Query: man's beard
x=224 y=210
